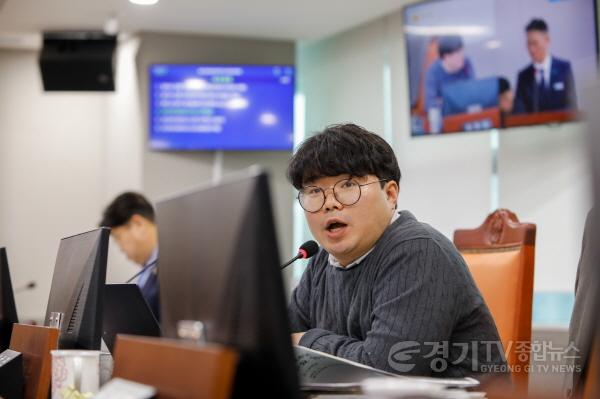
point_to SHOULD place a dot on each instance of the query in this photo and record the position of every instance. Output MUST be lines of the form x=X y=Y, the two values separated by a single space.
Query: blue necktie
x=542 y=82
x=539 y=89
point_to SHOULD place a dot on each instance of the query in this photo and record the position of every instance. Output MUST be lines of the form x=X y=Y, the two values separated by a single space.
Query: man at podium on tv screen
x=385 y=290
x=131 y=219
x=547 y=84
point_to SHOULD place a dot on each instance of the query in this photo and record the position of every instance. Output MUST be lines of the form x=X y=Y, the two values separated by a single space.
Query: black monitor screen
x=8 y=310
x=219 y=264
x=78 y=287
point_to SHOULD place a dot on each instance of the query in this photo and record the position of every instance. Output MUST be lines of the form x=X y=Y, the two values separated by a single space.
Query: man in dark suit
x=131 y=219
x=547 y=83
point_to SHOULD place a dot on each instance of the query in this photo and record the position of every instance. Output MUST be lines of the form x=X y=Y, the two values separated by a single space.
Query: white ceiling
x=276 y=19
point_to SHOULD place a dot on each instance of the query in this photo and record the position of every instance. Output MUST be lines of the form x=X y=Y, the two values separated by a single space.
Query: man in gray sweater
x=385 y=290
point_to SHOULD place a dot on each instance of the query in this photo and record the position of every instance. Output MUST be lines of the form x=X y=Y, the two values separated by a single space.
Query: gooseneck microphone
x=148 y=266
x=306 y=250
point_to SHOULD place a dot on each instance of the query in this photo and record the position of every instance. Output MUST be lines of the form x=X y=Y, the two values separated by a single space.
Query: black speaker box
x=78 y=61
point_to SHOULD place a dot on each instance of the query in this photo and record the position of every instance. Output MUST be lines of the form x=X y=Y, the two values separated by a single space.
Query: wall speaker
x=78 y=61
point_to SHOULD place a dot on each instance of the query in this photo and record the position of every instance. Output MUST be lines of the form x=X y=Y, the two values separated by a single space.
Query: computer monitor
x=126 y=312
x=219 y=264
x=78 y=287
x=470 y=96
x=8 y=309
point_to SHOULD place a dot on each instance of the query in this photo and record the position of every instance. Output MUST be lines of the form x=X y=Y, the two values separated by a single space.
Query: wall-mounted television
x=482 y=64
x=221 y=107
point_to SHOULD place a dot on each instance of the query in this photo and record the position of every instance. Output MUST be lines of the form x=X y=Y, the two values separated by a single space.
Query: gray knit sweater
x=410 y=307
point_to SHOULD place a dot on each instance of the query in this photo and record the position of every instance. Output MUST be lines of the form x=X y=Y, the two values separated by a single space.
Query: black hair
x=449 y=44
x=503 y=85
x=124 y=207
x=343 y=149
x=537 y=24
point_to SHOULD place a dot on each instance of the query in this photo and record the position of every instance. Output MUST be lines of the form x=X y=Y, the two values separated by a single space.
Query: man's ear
x=136 y=220
x=392 y=190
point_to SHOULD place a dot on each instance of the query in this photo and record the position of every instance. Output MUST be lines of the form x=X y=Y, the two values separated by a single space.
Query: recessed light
x=144 y=2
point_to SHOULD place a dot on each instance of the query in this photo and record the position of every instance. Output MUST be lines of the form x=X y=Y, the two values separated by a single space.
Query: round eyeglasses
x=347 y=192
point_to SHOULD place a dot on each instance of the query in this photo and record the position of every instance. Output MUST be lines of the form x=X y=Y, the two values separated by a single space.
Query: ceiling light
x=144 y=2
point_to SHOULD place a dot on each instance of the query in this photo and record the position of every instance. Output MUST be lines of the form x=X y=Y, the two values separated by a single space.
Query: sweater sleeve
x=412 y=302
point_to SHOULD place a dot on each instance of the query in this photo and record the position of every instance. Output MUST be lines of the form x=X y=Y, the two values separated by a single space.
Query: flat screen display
x=221 y=107
x=482 y=64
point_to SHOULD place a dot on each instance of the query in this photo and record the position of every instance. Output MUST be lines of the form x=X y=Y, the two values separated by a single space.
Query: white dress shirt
x=545 y=67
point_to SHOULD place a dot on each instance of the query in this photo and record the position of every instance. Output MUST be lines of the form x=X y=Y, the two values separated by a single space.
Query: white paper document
x=324 y=372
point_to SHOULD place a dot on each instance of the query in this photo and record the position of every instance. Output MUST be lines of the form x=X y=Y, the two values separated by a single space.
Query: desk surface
x=540 y=118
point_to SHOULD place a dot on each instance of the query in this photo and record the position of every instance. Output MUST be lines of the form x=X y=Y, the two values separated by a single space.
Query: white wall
x=545 y=179
x=63 y=156
x=51 y=173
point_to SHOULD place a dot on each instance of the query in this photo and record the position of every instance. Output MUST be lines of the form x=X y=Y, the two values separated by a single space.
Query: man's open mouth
x=335 y=225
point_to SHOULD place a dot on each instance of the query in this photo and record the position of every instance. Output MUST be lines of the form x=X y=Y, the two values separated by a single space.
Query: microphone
x=306 y=250
x=29 y=286
x=148 y=266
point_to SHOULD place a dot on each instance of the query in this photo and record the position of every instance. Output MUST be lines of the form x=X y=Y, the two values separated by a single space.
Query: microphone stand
x=148 y=266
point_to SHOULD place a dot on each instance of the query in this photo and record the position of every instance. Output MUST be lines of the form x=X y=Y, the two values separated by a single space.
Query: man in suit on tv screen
x=547 y=84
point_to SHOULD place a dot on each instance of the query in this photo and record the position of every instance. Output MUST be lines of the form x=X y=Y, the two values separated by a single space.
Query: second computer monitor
x=78 y=287
x=470 y=96
x=219 y=264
